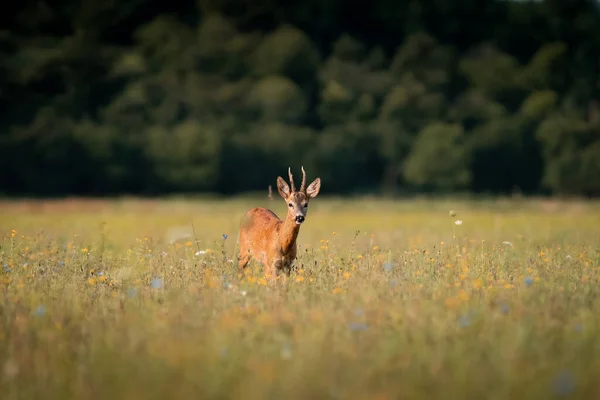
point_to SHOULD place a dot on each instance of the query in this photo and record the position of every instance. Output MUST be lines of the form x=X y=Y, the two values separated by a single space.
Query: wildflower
x=347 y=275
x=188 y=243
x=357 y=326
x=243 y=293
x=286 y=352
x=388 y=266
x=92 y=281
x=84 y=250
x=225 y=236
x=528 y=281
x=504 y=308
x=223 y=352
x=464 y=321
x=337 y=290
x=40 y=311
x=299 y=279
x=507 y=243
x=156 y=283
x=131 y=292
x=564 y=383
x=7 y=268
x=451 y=302
x=458 y=222
x=200 y=252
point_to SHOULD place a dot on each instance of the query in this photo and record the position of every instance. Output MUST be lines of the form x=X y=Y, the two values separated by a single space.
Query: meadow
x=411 y=299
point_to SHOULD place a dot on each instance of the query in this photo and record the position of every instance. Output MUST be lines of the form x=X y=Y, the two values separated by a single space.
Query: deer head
x=297 y=201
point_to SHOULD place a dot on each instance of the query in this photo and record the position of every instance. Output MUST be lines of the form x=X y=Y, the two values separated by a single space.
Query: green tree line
x=149 y=97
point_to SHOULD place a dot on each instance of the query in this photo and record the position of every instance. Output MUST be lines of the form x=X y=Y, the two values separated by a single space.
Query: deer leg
x=269 y=269
x=276 y=268
x=244 y=256
x=243 y=261
x=287 y=267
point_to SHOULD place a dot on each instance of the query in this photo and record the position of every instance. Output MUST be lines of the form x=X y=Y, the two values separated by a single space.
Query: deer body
x=269 y=240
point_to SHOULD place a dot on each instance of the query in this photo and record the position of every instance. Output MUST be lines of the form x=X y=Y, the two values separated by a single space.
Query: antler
x=291 y=179
x=302 y=187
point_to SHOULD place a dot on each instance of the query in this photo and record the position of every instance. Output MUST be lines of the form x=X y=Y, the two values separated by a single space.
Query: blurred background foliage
x=149 y=97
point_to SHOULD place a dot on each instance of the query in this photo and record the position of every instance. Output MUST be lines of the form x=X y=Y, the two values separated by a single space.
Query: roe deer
x=270 y=240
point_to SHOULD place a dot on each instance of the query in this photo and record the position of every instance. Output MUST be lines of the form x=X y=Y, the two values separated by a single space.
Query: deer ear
x=313 y=189
x=283 y=188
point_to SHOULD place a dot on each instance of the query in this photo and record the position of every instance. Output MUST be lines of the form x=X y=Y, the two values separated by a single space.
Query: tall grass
x=390 y=300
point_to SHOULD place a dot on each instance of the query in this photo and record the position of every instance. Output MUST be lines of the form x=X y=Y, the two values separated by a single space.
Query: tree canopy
x=149 y=97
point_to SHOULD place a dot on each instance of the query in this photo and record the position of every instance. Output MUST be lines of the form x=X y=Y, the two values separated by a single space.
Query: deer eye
x=290 y=204
x=305 y=205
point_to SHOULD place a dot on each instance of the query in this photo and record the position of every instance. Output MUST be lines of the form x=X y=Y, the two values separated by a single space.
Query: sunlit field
x=131 y=299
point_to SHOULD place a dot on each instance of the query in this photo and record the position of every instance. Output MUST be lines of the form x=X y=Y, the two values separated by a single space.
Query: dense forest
x=149 y=97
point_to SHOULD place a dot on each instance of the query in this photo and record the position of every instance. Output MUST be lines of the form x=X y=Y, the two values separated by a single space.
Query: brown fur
x=272 y=241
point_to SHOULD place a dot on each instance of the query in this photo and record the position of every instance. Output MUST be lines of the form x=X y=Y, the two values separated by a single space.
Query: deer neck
x=288 y=234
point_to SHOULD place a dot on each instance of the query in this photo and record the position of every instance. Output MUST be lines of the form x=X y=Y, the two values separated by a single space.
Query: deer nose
x=299 y=218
